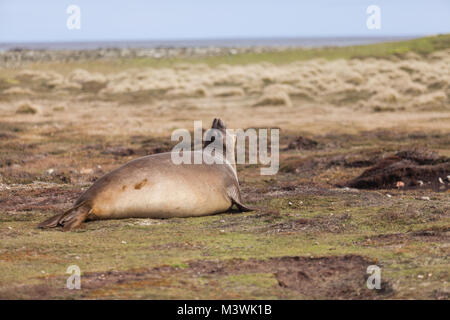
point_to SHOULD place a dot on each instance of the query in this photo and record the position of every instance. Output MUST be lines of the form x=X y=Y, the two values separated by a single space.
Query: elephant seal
x=154 y=187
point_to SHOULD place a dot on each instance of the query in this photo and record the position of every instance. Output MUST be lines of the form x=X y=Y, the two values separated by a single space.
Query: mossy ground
x=307 y=238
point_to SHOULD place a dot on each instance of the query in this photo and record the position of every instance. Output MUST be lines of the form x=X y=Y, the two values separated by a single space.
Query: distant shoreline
x=306 y=42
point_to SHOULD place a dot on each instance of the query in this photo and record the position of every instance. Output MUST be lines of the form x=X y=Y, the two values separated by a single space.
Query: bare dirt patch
x=337 y=277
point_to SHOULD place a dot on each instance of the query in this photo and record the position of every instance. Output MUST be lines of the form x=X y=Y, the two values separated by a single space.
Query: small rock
x=420 y=276
x=4 y=186
x=290 y=203
x=388 y=195
x=147 y=222
x=124 y=242
x=425 y=198
x=400 y=184
x=86 y=171
x=50 y=171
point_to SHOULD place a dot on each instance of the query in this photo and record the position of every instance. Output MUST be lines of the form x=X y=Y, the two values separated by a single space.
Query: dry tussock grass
x=371 y=84
x=26 y=107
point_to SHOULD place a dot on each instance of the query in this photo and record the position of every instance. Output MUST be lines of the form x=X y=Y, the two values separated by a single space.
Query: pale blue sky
x=45 y=20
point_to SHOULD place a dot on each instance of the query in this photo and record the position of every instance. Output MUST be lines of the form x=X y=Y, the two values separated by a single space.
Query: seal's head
x=220 y=135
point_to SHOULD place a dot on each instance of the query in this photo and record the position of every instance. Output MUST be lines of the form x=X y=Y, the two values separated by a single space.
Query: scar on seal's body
x=139 y=185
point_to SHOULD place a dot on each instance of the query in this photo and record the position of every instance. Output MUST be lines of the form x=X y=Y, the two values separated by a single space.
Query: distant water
x=262 y=42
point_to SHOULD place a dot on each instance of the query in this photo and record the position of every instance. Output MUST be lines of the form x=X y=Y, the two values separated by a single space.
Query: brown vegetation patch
x=39 y=199
x=281 y=189
x=434 y=234
x=334 y=277
x=353 y=160
x=17 y=175
x=331 y=277
x=151 y=145
x=7 y=135
x=413 y=213
x=312 y=164
x=302 y=143
x=441 y=294
x=119 y=151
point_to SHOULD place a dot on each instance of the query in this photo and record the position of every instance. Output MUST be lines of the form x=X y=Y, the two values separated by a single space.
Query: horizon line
x=230 y=38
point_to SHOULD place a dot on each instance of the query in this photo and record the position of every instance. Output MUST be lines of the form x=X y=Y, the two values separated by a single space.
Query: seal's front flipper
x=68 y=220
x=241 y=206
x=234 y=194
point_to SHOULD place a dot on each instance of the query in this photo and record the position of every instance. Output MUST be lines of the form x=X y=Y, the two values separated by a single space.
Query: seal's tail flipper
x=68 y=220
x=51 y=223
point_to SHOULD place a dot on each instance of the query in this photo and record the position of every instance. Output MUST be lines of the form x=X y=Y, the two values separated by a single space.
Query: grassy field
x=340 y=111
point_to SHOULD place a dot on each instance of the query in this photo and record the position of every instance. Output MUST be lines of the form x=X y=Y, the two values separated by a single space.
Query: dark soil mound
x=406 y=169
